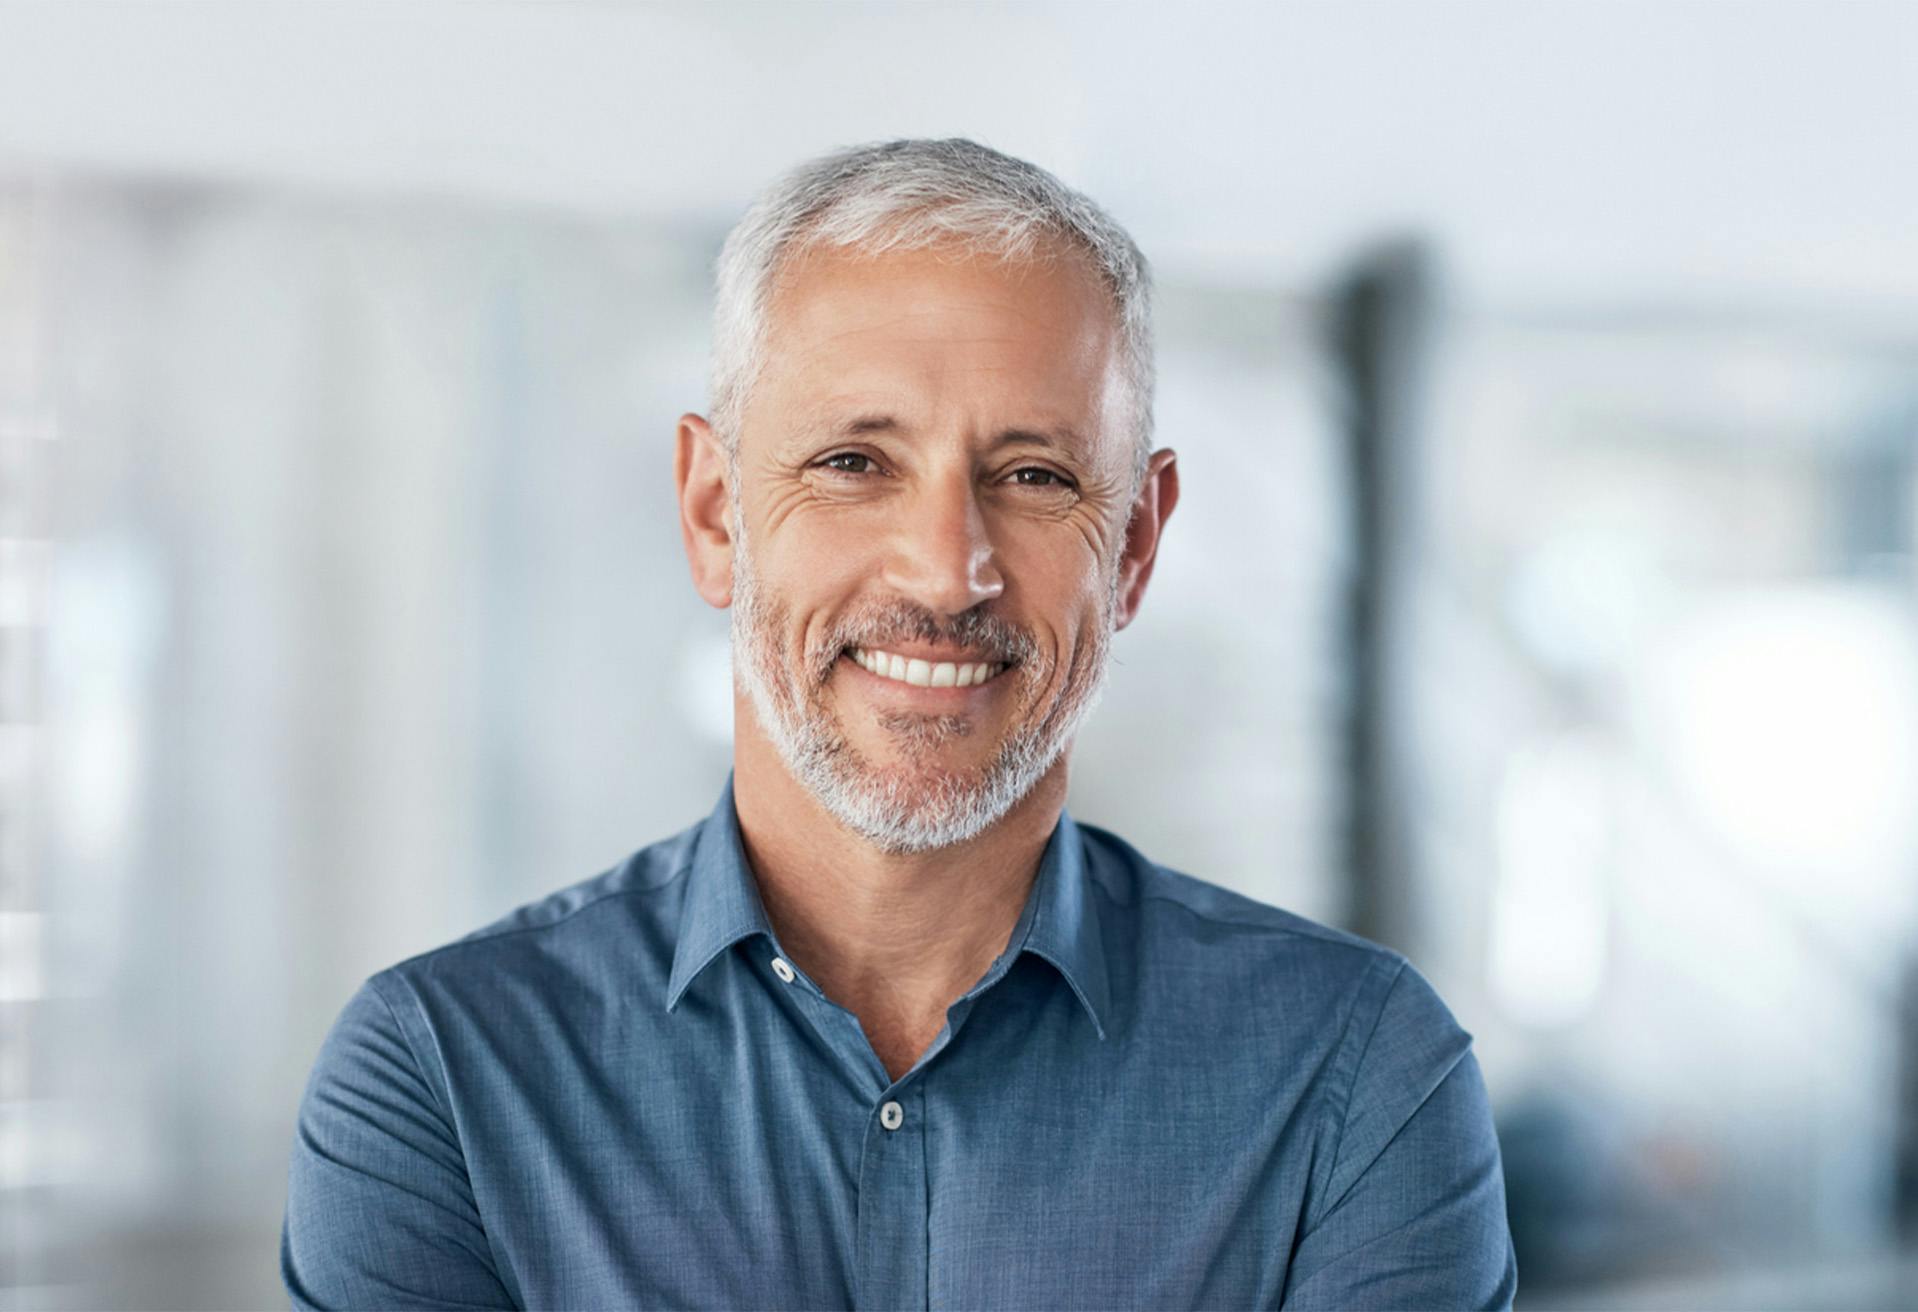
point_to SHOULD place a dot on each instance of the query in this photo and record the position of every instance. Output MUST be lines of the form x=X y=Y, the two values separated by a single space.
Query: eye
x=1038 y=476
x=848 y=462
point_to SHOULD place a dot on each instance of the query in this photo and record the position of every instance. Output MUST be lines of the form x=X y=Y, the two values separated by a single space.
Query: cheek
x=1061 y=585
x=818 y=574
x=1068 y=626
x=822 y=544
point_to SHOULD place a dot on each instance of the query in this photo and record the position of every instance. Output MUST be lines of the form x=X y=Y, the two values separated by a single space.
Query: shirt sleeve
x=1414 y=1211
x=379 y=1209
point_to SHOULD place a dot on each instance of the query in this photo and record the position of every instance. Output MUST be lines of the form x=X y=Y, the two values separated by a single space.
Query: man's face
x=932 y=481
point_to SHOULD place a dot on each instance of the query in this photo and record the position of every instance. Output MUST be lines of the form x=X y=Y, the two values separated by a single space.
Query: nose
x=941 y=552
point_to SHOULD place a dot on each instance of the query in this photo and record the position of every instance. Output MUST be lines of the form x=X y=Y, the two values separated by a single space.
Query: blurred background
x=1542 y=601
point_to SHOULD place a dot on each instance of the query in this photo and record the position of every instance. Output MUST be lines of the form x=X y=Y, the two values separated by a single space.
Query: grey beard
x=912 y=810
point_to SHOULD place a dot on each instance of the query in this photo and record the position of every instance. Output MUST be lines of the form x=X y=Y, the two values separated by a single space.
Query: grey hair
x=907 y=195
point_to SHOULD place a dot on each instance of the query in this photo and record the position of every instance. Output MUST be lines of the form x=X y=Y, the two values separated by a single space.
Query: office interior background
x=1541 y=602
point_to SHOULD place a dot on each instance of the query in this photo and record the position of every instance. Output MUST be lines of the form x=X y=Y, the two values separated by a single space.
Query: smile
x=925 y=674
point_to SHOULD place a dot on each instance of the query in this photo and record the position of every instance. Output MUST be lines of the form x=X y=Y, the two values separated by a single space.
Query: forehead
x=939 y=334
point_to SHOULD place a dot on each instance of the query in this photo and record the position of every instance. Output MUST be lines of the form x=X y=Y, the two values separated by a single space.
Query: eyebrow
x=1062 y=438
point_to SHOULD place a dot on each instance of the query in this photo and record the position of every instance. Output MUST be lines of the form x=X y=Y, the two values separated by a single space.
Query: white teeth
x=926 y=674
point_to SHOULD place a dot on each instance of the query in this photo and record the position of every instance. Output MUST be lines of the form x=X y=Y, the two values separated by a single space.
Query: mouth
x=921 y=673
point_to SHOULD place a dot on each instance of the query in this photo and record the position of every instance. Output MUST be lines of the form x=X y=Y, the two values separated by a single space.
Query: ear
x=705 y=509
x=1158 y=494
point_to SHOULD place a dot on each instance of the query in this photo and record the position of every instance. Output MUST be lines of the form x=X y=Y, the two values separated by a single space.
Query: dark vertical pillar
x=1879 y=521
x=1905 y=1167
x=1380 y=327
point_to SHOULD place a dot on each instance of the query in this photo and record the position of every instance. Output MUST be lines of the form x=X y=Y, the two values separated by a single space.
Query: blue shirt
x=1161 y=1095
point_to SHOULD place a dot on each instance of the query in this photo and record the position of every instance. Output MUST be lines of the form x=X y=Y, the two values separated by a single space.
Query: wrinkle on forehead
x=889 y=332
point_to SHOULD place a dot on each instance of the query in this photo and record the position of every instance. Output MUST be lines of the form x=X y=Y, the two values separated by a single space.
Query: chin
x=918 y=804
x=907 y=821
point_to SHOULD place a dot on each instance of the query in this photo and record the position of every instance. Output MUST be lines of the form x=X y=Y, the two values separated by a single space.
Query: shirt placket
x=891 y=1241
x=894 y=1242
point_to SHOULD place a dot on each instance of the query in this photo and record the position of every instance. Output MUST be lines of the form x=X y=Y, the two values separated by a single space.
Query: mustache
x=979 y=629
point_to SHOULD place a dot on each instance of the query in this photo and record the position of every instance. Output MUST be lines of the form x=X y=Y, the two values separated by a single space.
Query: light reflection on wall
x=1551 y=905
x=1672 y=714
x=1790 y=716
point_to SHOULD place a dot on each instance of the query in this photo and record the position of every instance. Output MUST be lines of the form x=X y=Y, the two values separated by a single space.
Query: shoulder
x=1184 y=910
x=1280 y=969
x=586 y=941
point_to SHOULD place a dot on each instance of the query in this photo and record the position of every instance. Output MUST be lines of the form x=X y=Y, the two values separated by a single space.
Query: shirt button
x=892 y=1116
x=781 y=969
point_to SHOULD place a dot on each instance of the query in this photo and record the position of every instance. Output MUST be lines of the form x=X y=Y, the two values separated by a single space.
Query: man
x=889 y=1029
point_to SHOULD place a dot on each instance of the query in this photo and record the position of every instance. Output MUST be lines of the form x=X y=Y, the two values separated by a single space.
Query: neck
x=893 y=938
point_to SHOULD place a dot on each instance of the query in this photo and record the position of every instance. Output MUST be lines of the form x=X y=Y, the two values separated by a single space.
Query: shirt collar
x=722 y=902
x=1065 y=922
x=1060 y=922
